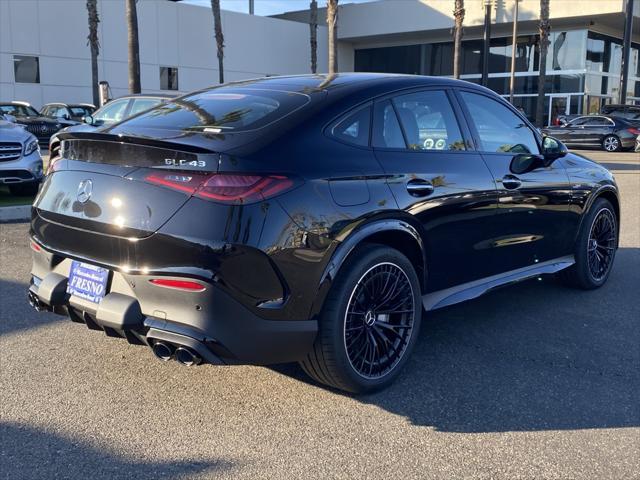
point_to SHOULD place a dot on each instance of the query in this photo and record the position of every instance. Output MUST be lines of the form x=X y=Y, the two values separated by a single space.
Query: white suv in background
x=20 y=160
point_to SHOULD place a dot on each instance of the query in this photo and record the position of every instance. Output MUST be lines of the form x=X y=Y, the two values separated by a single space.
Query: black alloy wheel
x=379 y=320
x=602 y=244
x=369 y=322
x=595 y=248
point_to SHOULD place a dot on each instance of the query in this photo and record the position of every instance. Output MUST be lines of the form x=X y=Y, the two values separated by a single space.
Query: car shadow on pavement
x=620 y=166
x=28 y=452
x=533 y=356
x=13 y=298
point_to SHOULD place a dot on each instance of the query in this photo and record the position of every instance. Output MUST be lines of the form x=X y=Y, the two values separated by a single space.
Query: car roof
x=145 y=95
x=70 y=104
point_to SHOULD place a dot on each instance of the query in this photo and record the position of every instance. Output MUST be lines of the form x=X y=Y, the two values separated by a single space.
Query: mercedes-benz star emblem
x=84 y=191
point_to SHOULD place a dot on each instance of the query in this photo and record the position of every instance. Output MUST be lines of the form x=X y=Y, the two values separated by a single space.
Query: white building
x=399 y=36
x=171 y=35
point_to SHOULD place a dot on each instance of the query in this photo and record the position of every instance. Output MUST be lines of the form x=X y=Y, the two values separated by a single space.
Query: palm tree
x=458 y=14
x=94 y=45
x=217 y=26
x=332 y=22
x=313 y=27
x=134 y=46
x=544 y=46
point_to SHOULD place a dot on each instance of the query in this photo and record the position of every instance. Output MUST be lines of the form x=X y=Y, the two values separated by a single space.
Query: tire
x=611 y=143
x=334 y=363
x=24 y=189
x=583 y=274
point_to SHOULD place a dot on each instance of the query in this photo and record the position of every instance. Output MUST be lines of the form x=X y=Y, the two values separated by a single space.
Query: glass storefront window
x=567 y=50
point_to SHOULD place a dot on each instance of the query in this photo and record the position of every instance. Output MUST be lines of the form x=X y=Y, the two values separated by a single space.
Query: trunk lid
x=99 y=183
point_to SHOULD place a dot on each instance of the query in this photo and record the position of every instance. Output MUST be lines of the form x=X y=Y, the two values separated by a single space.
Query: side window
x=386 y=129
x=499 y=129
x=112 y=112
x=428 y=121
x=579 y=121
x=141 y=104
x=355 y=128
x=598 y=122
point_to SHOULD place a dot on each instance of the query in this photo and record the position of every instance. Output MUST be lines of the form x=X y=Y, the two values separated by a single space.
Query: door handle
x=511 y=182
x=419 y=187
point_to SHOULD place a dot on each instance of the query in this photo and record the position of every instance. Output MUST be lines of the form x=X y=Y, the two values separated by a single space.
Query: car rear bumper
x=212 y=323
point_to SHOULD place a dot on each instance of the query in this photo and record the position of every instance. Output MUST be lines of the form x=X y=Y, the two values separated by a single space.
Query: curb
x=15 y=213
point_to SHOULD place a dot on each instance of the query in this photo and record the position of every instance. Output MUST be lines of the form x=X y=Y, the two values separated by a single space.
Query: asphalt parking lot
x=532 y=381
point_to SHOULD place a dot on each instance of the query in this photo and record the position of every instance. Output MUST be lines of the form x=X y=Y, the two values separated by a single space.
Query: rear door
x=532 y=223
x=596 y=128
x=435 y=177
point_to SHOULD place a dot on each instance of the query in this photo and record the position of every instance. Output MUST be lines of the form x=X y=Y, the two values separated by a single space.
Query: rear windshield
x=225 y=110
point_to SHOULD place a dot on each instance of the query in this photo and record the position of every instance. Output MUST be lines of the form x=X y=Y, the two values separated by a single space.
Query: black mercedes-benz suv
x=34 y=122
x=311 y=219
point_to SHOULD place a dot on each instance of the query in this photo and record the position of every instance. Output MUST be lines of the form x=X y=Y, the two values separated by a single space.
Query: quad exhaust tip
x=36 y=303
x=163 y=351
x=187 y=357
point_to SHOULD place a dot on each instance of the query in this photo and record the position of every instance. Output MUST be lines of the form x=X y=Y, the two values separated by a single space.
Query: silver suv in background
x=20 y=160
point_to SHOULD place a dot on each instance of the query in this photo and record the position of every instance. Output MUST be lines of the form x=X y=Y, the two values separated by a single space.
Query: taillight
x=187 y=183
x=634 y=131
x=185 y=285
x=231 y=188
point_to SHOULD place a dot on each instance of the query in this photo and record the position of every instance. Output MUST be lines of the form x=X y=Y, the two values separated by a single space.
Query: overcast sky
x=268 y=7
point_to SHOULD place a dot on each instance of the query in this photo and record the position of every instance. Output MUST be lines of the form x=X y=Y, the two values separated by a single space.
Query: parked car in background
x=610 y=133
x=313 y=219
x=564 y=119
x=20 y=160
x=40 y=126
x=110 y=113
x=630 y=112
x=68 y=113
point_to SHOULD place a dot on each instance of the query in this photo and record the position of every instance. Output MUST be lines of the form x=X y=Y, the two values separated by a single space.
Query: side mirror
x=64 y=116
x=88 y=119
x=552 y=148
x=525 y=162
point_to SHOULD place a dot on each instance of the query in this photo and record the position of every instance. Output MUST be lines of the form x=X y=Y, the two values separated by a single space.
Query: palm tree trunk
x=458 y=14
x=217 y=26
x=94 y=45
x=544 y=46
x=134 y=47
x=332 y=23
x=313 y=27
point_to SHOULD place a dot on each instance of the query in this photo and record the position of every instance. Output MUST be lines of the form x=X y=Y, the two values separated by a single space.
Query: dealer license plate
x=87 y=281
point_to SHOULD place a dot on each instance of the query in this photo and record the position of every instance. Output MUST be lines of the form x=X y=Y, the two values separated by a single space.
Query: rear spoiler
x=131 y=151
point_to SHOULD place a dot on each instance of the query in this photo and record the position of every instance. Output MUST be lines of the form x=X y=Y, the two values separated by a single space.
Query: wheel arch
x=609 y=193
x=401 y=234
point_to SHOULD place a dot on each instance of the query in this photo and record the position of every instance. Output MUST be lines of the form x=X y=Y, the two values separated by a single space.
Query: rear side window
x=598 y=122
x=222 y=110
x=386 y=128
x=428 y=121
x=499 y=129
x=112 y=112
x=355 y=128
x=141 y=104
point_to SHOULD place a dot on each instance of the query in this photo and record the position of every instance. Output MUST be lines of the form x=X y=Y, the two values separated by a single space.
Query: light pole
x=487 y=42
x=626 y=50
x=251 y=7
x=512 y=80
